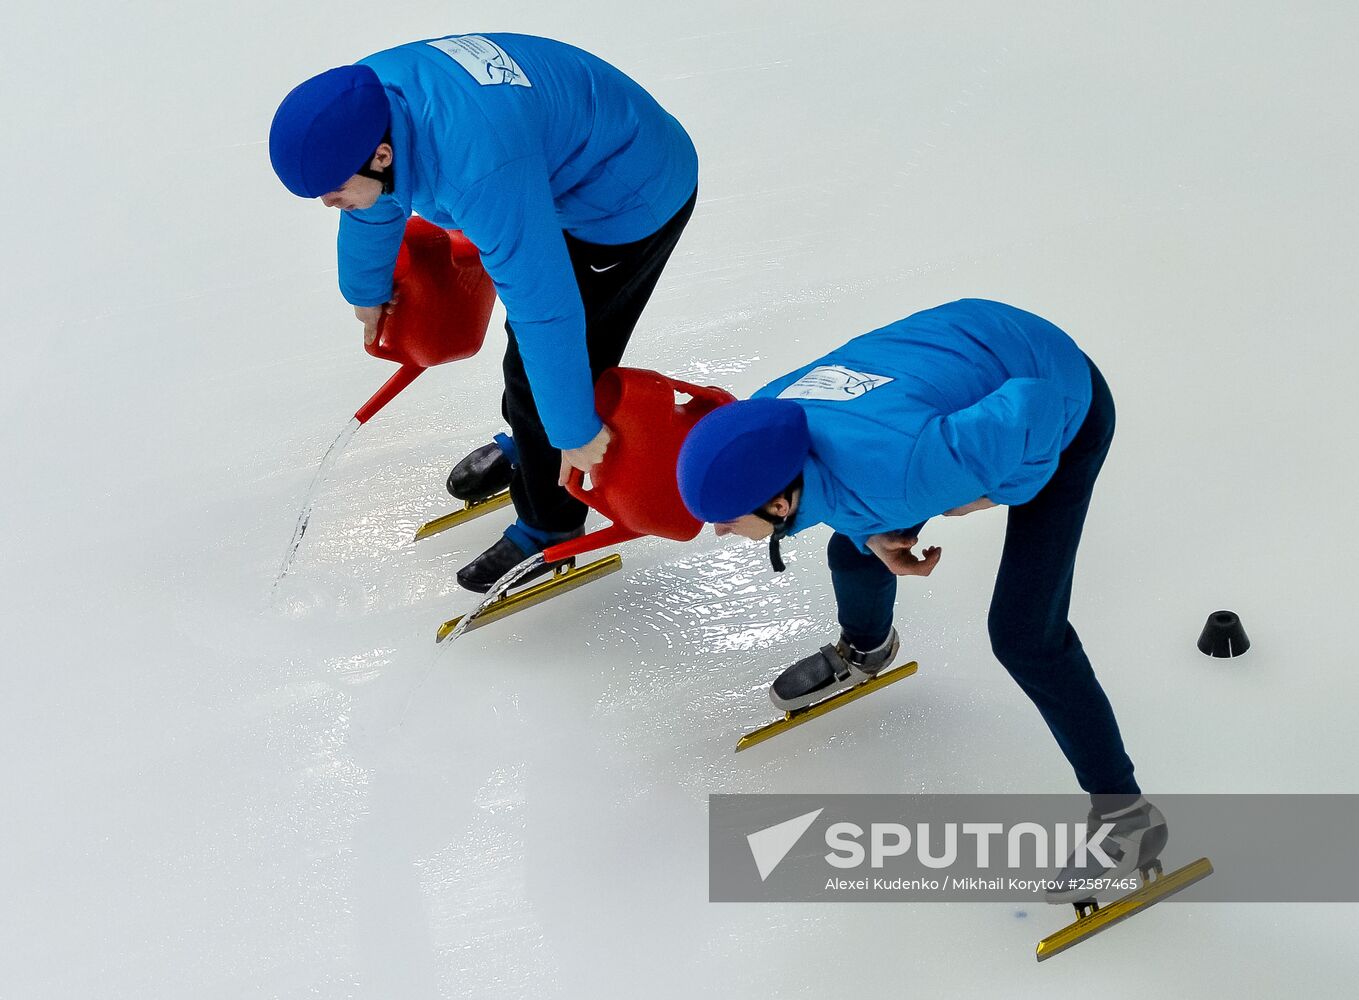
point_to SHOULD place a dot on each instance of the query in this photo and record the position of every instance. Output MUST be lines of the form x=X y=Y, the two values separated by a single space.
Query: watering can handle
x=610 y=534
x=575 y=485
x=702 y=391
x=380 y=340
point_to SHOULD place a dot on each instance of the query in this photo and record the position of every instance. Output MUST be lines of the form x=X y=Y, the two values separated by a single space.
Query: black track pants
x=615 y=283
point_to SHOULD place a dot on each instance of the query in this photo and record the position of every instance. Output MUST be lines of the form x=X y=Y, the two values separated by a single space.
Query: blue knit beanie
x=326 y=129
x=740 y=456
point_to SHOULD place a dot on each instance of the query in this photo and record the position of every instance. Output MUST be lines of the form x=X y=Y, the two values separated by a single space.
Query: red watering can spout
x=635 y=485
x=443 y=303
x=404 y=376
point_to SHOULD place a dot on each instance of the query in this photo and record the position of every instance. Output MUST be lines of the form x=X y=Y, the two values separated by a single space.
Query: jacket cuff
x=576 y=435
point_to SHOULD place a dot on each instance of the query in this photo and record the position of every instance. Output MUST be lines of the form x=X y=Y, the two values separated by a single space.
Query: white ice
x=203 y=793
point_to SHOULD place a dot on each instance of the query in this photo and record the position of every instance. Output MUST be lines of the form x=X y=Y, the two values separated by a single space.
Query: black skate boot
x=829 y=670
x=1136 y=841
x=509 y=551
x=485 y=472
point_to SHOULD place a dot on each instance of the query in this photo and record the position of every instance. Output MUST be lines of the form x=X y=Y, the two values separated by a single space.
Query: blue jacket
x=965 y=400
x=513 y=139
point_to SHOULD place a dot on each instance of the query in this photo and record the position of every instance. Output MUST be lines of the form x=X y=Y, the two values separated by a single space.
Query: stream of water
x=328 y=461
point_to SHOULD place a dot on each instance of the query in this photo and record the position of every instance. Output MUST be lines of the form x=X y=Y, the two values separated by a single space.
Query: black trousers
x=615 y=284
x=1030 y=632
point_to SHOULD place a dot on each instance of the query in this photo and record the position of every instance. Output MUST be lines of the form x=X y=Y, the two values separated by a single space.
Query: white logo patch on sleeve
x=488 y=63
x=833 y=382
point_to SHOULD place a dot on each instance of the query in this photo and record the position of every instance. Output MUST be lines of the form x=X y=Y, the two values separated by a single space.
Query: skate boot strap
x=529 y=540
x=507 y=448
x=840 y=667
x=869 y=663
x=843 y=667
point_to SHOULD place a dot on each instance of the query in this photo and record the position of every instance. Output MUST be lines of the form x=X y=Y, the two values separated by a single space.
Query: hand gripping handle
x=575 y=485
x=611 y=534
x=380 y=348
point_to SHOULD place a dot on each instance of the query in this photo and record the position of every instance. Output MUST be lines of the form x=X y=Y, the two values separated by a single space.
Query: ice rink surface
x=212 y=793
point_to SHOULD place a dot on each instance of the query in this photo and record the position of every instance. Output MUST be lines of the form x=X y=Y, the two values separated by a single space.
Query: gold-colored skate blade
x=469 y=512
x=798 y=716
x=1091 y=921
x=564 y=578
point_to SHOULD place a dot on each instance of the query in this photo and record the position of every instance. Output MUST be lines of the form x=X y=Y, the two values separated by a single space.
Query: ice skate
x=829 y=670
x=481 y=481
x=1136 y=840
x=1134 y=843
x=485 y=472
x=483 y=573
x=831 y=677
x=509 y=551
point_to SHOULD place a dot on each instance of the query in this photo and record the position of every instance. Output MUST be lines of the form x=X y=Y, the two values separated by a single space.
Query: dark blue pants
x=1030 y=633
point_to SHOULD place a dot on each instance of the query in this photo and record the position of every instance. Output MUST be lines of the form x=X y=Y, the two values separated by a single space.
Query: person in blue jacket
x=568 y=177
x=955 y=409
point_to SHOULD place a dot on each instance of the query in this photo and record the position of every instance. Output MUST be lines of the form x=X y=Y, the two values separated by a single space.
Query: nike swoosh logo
x=601 y=270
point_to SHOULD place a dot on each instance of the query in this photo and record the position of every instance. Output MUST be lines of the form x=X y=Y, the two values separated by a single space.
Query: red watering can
x=635 y=485
x=444 y=304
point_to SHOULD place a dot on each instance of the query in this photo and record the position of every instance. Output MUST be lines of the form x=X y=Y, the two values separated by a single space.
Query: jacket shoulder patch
x=833 y=382
x=487 y=62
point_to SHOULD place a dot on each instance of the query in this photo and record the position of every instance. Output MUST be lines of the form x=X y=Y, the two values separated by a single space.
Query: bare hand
x=981 y=503
x=895 y=552
x=369 y=316
x=584 y=457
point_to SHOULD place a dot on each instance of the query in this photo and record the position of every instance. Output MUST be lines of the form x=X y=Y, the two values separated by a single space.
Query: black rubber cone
x=1223 y=635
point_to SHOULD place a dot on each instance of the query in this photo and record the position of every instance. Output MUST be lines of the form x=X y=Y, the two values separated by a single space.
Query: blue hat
x=740 y=456
x=326 y=129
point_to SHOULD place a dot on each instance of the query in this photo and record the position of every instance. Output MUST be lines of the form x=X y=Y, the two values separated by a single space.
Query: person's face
x=360 y=192
x=746 y=526
x=357 y=192
x=753 y=527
